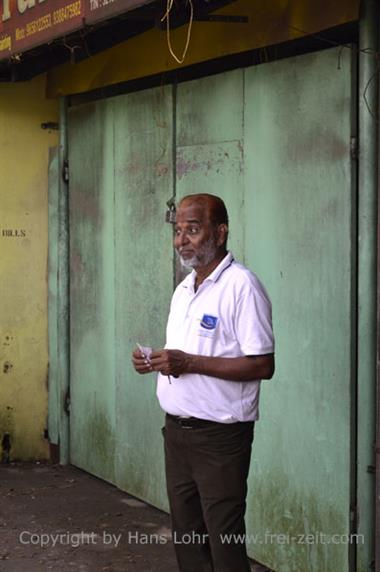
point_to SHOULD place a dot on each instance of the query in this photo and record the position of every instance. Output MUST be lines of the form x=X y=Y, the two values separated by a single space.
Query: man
x=219 y=346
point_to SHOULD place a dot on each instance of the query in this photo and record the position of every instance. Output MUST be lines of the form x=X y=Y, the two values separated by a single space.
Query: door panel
x=299 y=238
x=209 y=151
x=121 y=283
x=92 y=304
x=144 y=281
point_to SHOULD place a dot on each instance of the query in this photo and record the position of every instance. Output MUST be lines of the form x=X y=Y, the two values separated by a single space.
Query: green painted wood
x=144 y=262
x=92 y=325
x=53 y=393
x=298 y=219
x=209 y=145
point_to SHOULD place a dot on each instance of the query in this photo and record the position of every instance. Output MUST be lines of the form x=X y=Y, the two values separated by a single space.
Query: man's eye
x=190 y=230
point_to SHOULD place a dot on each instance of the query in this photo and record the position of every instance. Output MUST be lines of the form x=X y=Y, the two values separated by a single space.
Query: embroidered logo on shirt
x=209 y=322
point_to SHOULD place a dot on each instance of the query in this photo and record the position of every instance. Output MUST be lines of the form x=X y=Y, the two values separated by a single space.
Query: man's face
x=195 y=236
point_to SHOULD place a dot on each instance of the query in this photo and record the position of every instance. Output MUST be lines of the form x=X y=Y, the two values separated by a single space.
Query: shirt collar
x=213 y=277
x=223 y=264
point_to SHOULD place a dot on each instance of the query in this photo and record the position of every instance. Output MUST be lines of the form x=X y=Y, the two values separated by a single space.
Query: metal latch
x=171 y=212
x=354 y=150
x=65 y=171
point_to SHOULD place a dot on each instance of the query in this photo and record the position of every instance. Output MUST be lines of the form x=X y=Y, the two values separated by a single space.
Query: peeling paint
x=206 y=160
x=184 y=167
x=161 y=169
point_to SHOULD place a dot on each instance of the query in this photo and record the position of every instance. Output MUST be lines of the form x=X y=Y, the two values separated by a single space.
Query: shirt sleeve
x=253 y=320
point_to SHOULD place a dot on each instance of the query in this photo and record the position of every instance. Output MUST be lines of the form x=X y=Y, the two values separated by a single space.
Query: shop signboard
x=25 y=24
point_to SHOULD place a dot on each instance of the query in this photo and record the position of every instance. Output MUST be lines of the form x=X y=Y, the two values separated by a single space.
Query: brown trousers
x=206 y=476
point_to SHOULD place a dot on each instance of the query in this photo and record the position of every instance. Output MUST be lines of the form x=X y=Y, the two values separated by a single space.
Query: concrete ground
x=61 y=518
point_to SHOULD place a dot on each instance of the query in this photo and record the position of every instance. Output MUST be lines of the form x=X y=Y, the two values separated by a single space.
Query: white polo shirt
x=228 y=316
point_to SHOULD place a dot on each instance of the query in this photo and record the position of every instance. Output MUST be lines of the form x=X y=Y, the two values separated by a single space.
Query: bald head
x=201 y=231
x=212 y=205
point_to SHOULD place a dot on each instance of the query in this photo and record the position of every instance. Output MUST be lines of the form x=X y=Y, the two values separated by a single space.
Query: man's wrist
x=190 y=363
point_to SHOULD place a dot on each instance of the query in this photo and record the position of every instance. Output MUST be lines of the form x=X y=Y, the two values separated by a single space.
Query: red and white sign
x=25 y=24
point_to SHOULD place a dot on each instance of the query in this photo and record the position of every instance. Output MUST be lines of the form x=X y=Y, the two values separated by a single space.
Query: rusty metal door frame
x=63 y=282
x=367 y=277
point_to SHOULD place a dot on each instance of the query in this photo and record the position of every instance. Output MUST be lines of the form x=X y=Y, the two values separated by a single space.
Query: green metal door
x=92 y=303
x=274 y=142
x=144 y=263
x=120 y=157
x=300 y=211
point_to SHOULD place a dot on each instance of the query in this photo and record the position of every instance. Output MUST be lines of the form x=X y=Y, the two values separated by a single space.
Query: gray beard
x=205 y=255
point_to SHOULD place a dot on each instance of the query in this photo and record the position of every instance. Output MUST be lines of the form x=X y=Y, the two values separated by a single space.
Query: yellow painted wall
x=23 y=265
x=269 y=23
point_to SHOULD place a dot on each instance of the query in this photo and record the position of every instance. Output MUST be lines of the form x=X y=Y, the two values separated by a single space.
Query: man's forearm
x=245 y=368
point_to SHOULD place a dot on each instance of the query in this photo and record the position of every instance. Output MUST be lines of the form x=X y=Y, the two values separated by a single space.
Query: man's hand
x=170 y=362
x=176 y=362
x=141 y=363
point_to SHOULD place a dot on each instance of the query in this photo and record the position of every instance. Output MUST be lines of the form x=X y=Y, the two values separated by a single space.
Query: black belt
x=191 y=422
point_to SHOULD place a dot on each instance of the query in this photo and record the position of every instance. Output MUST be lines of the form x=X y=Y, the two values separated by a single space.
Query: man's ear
x=222 y=233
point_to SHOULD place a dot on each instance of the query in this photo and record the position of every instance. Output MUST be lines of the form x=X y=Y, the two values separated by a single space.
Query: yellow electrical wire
x=166 y=16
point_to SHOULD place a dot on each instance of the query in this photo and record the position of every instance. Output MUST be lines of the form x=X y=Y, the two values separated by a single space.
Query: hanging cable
x=166 y=17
